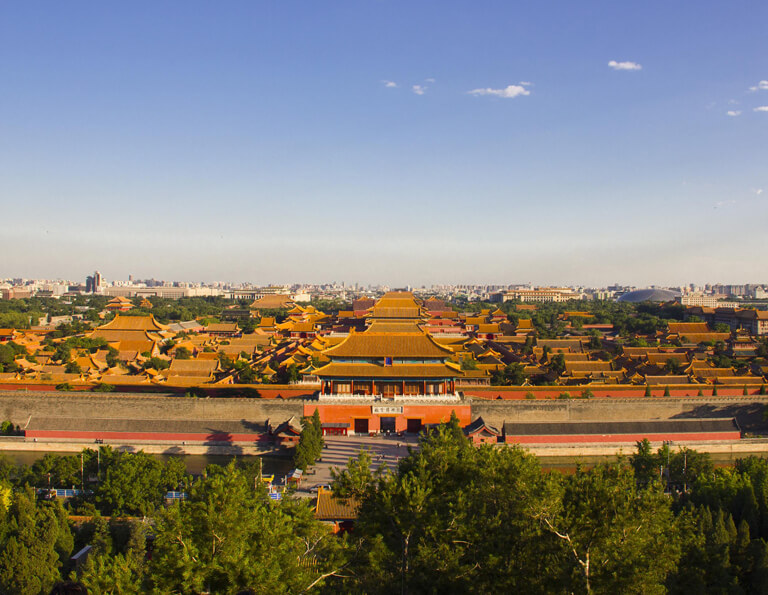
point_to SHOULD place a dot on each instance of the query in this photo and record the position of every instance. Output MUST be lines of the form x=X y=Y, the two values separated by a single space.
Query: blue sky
x=381 y=141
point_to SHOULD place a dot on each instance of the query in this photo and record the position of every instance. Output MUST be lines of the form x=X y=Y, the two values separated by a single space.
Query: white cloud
x=390 y=84
x=724 y=203
x=419 y=90
x=430 y=80
x=734 y=112
x=507 y=93
x=761 y=86
x=762 y=108
x=525 y=83
x=624 y=65
x=757 y=191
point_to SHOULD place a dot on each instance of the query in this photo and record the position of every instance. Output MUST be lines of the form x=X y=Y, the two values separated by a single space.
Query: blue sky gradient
x=254 y=141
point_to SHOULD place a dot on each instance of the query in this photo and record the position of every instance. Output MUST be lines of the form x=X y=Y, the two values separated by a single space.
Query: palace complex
x=396 y=347
x=393 y=357
x=396 y=364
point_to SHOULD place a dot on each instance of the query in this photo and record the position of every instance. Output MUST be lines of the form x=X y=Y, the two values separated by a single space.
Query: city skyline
x=394 y=143
x=96 y=280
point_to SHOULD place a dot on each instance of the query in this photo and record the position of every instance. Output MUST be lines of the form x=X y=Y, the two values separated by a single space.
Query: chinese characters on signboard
x=383 y=409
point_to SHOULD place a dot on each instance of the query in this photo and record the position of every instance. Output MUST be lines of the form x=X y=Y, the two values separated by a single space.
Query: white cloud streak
x=624 y=65
x=761 y=86
x=390 y=84
x=734 y=113
x=429 y=80
x=508 y=92
x=762 y=108
x=419 y=89
x=724 y=203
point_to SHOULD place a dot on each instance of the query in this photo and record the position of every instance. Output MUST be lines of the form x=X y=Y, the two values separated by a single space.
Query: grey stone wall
x=748 y=411
x=19 y=406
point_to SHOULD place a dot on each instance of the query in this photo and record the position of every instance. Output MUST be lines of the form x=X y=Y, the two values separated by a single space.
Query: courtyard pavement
x=384 y=450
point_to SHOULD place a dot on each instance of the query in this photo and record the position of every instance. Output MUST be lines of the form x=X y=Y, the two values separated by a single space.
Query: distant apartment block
x=539 y=294
x=161 y=292
x=707 y=301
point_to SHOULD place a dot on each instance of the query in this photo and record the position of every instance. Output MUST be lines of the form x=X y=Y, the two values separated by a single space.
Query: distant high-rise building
x=93 y=282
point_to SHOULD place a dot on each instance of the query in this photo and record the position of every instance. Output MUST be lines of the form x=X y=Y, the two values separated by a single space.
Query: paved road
x=338 y=450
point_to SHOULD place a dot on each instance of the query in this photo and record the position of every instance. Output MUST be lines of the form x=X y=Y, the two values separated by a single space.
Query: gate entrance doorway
x=413 y=426
x=361 y=426
x=387 y=425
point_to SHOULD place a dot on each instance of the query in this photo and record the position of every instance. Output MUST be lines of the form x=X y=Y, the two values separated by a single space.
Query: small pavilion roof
x=330 y=508
x=478 y=426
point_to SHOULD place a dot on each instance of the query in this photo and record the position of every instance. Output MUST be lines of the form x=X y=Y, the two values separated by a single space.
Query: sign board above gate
x=388 y=409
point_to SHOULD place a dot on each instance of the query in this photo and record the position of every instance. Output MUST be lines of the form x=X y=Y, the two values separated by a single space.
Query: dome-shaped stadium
x=649 y=295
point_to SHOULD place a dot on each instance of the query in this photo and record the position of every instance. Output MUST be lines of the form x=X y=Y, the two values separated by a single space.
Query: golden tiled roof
x=677 y=379
x=489 y=328
x=272 y=302
x=192 y=367
x=591 y=367
x=221 y=327
x=136 y=345
x=342 y=370
x=712 y=372
x=576 y=357
x=406 y=341
x=660 y=359
x=133 y=323
x=475 y=320
x=638 y=351
x=397 y=305
x=704 y=337
x=683 y=328
x=329 y=508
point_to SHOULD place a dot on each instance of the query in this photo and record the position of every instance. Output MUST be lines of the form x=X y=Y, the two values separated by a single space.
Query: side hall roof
x=133 y=323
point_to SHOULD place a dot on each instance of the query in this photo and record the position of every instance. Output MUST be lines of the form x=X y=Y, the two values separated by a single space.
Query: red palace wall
x=230 y=390
x=628 y=438
x=428 y=414
x=91 y=436
x=270 y=391
x=615 y=391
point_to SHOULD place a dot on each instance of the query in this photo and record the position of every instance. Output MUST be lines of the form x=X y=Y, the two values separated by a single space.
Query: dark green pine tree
x=317 y=429
x=34 y=544
x=455 y=430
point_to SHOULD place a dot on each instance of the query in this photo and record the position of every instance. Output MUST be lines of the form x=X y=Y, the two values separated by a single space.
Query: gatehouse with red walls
x=342 y=419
